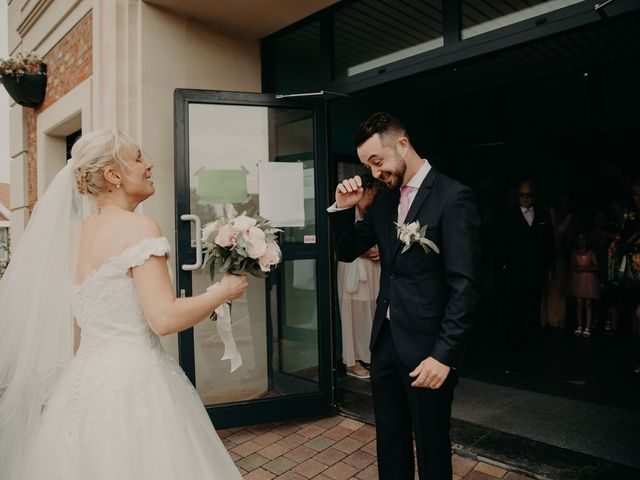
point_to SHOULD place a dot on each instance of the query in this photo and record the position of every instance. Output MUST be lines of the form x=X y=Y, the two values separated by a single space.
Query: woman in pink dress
x=583 y=284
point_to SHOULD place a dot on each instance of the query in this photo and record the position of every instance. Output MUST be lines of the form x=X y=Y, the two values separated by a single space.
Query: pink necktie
x=402 y=215
x=404 y=203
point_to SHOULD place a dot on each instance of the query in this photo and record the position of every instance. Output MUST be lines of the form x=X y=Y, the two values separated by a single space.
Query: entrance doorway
x=561 y=112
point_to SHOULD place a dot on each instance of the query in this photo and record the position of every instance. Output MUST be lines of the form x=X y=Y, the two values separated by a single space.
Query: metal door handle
x=198 y=224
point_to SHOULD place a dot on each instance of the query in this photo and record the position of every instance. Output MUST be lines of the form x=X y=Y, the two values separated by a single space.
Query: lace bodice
x=106 y=305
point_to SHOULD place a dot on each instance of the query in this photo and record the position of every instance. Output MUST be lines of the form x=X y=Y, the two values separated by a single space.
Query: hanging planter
x=25 y=79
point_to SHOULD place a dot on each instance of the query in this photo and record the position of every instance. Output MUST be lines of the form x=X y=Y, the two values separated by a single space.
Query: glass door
x=256 y=153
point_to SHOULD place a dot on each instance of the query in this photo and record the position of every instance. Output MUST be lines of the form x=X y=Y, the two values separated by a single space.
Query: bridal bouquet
x=238 y=244
x=241 y=244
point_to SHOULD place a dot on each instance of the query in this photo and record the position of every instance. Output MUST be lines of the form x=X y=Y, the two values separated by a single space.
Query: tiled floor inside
x=329 y=448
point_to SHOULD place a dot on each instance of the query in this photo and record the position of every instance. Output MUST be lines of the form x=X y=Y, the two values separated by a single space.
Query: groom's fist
x=349 y=192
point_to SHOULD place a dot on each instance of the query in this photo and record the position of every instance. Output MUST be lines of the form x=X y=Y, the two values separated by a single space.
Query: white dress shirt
x=528 y=214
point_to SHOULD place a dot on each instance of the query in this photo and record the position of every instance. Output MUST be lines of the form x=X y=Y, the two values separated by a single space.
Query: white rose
x=405 y=237
x=226 y=237
x=243 y=223
x=209 y=229
x=413 y=227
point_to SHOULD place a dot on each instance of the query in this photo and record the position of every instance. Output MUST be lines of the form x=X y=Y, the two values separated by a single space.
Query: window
x=70 y=140
x=372 y=33
x=480 y=16
x=298 y=60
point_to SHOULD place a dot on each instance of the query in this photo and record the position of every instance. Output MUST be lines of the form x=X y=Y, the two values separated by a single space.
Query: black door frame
x=267 y=409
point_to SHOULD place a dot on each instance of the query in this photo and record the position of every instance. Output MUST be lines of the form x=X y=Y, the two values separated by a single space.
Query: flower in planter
x=20 y=64
x=24 y=77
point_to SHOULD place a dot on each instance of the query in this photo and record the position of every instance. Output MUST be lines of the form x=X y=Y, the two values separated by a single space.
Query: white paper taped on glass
x=281 y=193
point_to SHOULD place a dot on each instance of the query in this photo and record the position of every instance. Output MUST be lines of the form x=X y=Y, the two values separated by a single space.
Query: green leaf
x=406 y=247
x=258 y=273
x=212 y=271
x=431 y=245
x=241 y=242
x=205 y=261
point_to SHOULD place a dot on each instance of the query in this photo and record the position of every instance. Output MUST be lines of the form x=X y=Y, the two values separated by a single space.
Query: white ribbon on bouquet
x=223 y=325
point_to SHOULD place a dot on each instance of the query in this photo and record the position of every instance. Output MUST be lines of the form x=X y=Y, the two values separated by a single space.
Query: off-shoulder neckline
x=112 y=259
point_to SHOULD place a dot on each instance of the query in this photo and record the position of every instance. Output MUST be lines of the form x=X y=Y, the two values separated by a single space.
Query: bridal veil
x=36 y=319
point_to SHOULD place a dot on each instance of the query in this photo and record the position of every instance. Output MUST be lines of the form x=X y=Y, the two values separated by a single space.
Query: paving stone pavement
x=327 y=448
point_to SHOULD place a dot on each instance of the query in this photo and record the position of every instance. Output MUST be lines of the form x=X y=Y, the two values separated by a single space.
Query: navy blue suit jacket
x=431 y=296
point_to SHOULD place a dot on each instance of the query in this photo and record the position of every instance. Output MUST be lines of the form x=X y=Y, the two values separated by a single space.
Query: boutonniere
x=411 y=233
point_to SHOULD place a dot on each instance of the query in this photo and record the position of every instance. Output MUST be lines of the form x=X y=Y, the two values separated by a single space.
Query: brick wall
x=69 y=63
x=32 y=164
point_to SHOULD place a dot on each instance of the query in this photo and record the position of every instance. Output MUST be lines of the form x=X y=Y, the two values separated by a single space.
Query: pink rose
x=226 y=236
x=257 y=246
x=271 y=257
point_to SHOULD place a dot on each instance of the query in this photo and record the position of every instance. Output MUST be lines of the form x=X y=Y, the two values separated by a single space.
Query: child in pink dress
x=583 y=284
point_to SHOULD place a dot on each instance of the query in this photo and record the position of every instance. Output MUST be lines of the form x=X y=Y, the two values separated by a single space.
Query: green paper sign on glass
x=222 y=186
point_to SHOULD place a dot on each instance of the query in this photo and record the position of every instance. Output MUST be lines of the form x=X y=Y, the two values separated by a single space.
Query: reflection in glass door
x=280 y=331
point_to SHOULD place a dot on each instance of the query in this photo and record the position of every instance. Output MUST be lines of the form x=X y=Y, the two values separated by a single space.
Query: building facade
x=5 y=226
x=114 y=63
x=494 y=91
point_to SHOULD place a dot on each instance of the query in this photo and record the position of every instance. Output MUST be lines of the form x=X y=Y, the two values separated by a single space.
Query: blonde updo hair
x=96 y=151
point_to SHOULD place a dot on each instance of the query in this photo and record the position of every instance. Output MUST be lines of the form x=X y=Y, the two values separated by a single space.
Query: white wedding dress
x=123 y=408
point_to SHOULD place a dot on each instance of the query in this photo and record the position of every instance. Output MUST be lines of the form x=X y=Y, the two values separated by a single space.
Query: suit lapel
x=523 y=219
x=392 y=217
x=421 y=195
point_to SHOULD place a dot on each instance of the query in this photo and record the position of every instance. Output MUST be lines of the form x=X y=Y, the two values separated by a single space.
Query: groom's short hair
x=382 y=123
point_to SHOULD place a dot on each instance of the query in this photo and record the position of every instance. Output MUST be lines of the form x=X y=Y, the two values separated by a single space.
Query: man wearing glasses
x=528 y=263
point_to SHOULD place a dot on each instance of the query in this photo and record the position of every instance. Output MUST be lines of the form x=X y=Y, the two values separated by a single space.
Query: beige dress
x=358 y=286
x=554 y=303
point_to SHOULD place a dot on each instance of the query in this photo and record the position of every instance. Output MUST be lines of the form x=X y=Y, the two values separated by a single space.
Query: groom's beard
x=395 y=179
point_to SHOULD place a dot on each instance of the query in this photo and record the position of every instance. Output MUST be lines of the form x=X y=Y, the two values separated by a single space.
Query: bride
x=86 y=390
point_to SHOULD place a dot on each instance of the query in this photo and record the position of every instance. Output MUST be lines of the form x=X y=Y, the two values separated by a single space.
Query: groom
x=424 y=308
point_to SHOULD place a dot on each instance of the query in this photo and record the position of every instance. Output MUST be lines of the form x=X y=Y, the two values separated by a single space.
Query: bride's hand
x=235 y=285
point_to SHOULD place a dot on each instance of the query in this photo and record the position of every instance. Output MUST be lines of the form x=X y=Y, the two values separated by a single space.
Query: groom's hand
x=349 y=192
x=430 y=374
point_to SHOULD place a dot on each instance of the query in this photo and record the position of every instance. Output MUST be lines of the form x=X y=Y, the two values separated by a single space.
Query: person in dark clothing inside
x=528 y=255
x=624 y=266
